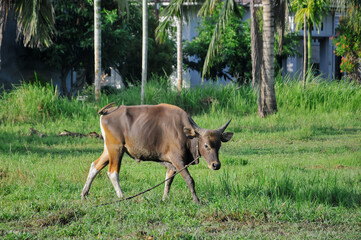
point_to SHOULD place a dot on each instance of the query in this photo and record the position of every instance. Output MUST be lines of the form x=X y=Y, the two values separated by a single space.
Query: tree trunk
x=3 y=19
x=144 y=50
x=304 y=51
x=267 y=96
x=280 y=19
x=256 y=48
x=63 y=75
x=97 y=49
x=179 y=54
x=1 y=35
x=309 y=47
x=282 y=25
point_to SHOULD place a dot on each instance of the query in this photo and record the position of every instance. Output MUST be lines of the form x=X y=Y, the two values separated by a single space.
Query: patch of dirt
x=144 y=235
x=3 y=173
x=62 y=218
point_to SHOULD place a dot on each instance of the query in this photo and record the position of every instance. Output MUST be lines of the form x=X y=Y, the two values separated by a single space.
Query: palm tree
x=97 y=49
x=35 y=21
x=122 y=4
x=173 y=12
x=256 y=47
x=314 y=10
x=267 y=97
x=208 y=7
x=179 y=53
x=144 y=50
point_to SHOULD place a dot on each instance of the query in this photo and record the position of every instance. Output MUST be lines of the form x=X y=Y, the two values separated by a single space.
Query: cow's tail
x=103 y=110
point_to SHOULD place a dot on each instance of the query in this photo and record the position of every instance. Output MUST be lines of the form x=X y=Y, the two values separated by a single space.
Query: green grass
x=294 y=175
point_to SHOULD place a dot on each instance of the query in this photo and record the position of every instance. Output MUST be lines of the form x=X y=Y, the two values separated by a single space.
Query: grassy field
x=293 y=175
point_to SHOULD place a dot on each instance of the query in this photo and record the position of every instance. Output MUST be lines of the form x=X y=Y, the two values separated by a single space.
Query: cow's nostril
x=214 y=166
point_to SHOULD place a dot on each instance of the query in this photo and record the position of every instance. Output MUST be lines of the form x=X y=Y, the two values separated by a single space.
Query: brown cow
x=162 y=133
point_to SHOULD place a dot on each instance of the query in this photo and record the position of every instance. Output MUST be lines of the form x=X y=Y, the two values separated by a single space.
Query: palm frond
x=36 y=21
x=4 y=10
x=168 y=15
x=208 y=7
x=227 y=9
x=123 y=6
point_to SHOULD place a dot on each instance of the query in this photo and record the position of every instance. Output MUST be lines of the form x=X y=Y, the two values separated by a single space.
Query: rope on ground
x=149 y=189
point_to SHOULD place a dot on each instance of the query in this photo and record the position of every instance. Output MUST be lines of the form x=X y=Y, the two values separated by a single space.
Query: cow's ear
x=225 y=137
x=190 y=133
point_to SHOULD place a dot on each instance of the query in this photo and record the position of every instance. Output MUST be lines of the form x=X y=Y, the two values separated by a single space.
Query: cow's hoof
x=83 y=196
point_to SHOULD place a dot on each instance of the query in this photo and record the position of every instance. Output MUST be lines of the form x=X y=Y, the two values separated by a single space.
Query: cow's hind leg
x=168 y=183
x=115 y=158
x=95 y=168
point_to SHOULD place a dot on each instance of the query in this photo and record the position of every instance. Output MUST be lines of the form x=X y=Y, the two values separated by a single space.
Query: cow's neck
x=194 y=149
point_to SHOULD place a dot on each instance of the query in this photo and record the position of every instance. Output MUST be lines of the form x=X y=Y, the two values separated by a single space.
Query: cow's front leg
x=190 y=182
x=168 y=183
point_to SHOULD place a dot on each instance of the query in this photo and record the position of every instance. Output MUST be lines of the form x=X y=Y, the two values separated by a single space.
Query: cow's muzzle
x=215 y=165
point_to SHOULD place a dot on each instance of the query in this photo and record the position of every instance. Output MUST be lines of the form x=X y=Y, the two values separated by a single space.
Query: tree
x=179 y=23
x=314 y=10
x=97 y=49
x=267 y=97
x=35 y=21
x=144 y=49
x=232 y=61
x=348 y=42
x=256 y=46
x=173 y=12
x=121 y=43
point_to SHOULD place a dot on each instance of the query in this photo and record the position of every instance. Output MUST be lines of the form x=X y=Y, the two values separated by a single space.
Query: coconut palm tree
x=256 y=46
x=267 y=97
x=173 y=12
x=314 y=10
x=179 y=23
x=97 y=49
x=35 y=21
x=122 y=4
x=144 y=49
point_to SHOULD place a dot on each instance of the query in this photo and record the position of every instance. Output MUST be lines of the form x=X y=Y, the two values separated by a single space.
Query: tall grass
x=323 y=96
x=35 y=103
x=31 y=103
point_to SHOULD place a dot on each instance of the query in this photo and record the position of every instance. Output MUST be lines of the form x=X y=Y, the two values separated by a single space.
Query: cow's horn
x=195 y=126
x=221 y=129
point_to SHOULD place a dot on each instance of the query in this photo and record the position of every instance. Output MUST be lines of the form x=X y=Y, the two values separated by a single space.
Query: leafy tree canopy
x=348 y=42
x=233 y=58
x=121 y=41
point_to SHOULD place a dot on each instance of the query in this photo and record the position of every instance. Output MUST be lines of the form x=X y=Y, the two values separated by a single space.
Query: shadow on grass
x=64 y=145
x=314 y=130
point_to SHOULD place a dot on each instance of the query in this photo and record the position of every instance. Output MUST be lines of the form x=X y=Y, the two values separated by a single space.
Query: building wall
x=323 y=56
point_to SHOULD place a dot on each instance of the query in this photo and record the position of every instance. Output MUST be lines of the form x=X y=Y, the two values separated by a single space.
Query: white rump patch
x=103 y=134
